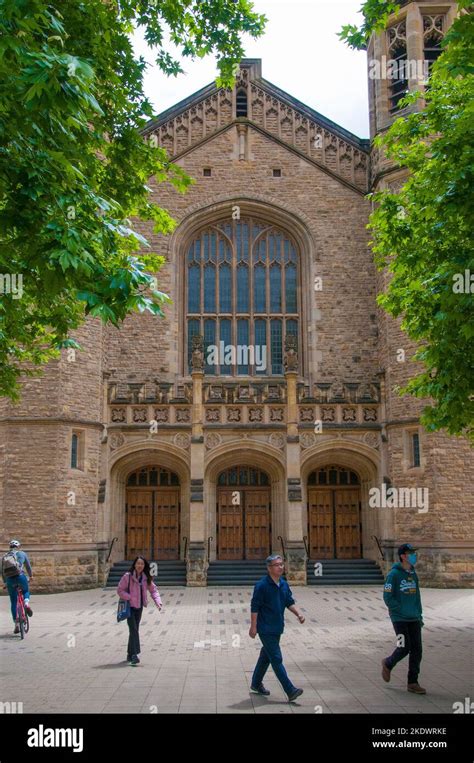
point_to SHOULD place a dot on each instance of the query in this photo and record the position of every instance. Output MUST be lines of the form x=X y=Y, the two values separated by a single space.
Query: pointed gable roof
x=272 y=112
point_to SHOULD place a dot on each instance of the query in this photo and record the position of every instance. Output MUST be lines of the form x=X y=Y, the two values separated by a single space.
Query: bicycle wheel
x=22 y=627
x=27 y=623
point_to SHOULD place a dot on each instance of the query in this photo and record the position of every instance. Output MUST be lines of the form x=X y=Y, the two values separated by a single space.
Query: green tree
x=423 y=233
x=74 y=167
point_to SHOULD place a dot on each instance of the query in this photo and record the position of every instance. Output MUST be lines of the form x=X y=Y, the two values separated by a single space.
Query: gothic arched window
x=397 y=69
x=242 y=284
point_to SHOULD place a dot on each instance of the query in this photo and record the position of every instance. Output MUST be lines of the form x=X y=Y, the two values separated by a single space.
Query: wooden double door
x=152 y=517
x=243 y=515
x=334 y=518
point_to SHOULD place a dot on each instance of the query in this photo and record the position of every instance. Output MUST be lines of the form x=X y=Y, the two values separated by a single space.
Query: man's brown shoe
x=385 y=672
x=416 y=688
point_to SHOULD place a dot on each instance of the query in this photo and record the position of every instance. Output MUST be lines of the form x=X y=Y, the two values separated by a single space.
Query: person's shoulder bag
x=123 y=608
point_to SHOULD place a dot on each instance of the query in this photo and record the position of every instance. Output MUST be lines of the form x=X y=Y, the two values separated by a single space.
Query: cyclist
x=13 y=564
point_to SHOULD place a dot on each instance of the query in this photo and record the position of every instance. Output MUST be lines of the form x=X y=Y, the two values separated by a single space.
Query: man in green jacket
x=401 y=594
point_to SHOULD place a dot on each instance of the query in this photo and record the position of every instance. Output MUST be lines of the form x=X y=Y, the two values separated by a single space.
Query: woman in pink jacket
x=133 y=587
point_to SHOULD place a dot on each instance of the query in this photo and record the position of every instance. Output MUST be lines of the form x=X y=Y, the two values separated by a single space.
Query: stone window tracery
x=242 y=290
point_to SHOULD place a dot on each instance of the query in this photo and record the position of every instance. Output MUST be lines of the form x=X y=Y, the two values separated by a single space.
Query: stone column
x=295 y=550
x=242 y=140
x=415 y=48
x=380 y=53
x=104 y=518
x=196 y=562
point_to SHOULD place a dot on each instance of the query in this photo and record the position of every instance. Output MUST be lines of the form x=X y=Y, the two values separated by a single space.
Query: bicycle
x=21 y=613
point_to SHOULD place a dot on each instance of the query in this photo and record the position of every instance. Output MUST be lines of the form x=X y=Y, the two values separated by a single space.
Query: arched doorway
x=243 y=514
x=334 y=514
x=152 y=514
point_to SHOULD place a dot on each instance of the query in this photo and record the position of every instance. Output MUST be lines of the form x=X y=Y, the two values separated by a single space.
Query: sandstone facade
x=264 y=160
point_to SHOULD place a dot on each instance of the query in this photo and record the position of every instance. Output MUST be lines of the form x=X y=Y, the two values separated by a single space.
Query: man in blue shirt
x=271 y=596
x=14 y=577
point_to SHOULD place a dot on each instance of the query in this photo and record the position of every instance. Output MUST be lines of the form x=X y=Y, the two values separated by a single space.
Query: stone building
x=262 y=411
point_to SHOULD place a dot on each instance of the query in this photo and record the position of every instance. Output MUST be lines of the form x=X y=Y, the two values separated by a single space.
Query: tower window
x=207 y=172
x=241 y=103
x=277 y=173
x=398 y=78
x=432 y=51
x=433 y=32
x=398 y=84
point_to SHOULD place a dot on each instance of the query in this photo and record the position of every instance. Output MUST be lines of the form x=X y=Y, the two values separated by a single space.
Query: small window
x=333 y=475
x=241 y=103
x=415 y=439
x=74 y=451
x=77 y=450
x=153 y=476
x=354 y=479
x=243 y=476
x=277 y=173
x=207 y=172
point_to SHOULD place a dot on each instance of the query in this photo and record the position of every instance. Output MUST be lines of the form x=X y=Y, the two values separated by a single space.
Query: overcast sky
x=300 y=53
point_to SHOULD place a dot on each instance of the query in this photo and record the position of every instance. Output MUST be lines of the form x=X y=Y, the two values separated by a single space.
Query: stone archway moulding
x=270 y=210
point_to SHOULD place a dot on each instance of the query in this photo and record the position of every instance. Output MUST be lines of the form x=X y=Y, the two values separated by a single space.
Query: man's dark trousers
x=270 y=654
x=412 y=634
x=133 y=623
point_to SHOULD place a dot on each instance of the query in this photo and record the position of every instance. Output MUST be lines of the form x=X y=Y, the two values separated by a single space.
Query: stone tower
x=49 y=466
x=398 y=61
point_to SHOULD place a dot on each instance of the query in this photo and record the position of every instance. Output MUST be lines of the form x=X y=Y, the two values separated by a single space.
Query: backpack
x=10 y=565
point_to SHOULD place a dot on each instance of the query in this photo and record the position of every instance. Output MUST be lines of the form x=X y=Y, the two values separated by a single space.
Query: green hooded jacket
x=401 y=594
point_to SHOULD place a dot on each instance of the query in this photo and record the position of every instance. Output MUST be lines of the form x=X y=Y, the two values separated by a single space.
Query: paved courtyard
x=197 y=655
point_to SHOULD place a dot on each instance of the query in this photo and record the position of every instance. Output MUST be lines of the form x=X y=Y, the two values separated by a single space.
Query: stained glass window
x=242 y=282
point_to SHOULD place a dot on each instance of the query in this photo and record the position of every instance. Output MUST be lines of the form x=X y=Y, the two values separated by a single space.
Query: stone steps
x=344 y=572
x=170 y=573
